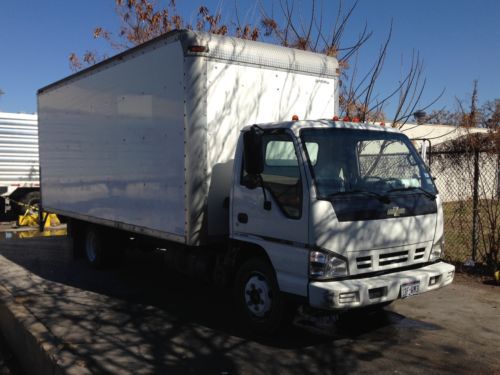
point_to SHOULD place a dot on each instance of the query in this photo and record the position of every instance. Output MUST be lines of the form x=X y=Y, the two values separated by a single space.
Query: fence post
x=498 y=175
x=475 y=206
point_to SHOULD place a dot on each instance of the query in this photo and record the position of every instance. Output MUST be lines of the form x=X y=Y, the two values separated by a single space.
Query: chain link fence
x=468 y=184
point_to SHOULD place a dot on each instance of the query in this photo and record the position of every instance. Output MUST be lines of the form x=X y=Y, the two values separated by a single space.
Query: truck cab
x=346 y=214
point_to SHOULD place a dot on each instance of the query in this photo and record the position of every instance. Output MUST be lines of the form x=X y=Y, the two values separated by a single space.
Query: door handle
x=243 y=217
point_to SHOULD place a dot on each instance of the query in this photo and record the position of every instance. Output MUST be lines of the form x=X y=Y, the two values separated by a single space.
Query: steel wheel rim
x=258 y=298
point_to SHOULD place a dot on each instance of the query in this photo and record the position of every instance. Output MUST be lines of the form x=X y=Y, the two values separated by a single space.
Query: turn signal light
x=197 y=49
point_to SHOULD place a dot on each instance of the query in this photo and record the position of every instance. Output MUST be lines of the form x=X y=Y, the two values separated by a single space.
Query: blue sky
x=459 y=41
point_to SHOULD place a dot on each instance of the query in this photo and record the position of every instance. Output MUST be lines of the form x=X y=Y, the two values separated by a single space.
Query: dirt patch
x=474 y=279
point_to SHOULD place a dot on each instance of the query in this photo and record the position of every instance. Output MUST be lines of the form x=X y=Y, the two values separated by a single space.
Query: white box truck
x=19 y=170
x=153 y=144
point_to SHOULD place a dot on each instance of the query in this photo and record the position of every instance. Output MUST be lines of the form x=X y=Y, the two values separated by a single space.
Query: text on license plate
x=410 y=289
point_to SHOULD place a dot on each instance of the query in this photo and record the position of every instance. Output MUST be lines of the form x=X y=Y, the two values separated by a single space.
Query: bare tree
x=468 y=113
x=490 y=114
x=309 y=32
x=141 y=20
x=443 y=116
x=470 y=116
x=358 y=97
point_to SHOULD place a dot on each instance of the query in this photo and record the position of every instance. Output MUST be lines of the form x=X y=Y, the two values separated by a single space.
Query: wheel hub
x=258 y=295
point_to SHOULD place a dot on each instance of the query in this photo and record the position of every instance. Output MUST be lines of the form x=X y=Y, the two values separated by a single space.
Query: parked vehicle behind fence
x=19 y=170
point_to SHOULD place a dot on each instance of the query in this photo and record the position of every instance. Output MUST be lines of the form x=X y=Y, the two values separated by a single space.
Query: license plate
x=410 y=289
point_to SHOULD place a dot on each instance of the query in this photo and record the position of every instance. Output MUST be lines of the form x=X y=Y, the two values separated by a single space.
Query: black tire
x=76 y=232
x=103 y=247
x=31 y=199
x=94 y=246
x=258 y=298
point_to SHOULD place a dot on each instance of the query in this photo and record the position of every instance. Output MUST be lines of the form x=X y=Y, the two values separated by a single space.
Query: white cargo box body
x=18 y=151
x=145 y=141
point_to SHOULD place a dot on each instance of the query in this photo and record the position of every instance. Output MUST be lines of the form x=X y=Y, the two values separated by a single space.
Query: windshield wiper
x=428 y=194
x=380 y=197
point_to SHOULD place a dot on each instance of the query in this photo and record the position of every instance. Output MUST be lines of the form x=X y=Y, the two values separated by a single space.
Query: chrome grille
x=364 y=262
x=381 y=259
x=419 y=253
x=391 y=258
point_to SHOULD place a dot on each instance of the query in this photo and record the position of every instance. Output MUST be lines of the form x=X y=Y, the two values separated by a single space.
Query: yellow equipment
x=30 y=219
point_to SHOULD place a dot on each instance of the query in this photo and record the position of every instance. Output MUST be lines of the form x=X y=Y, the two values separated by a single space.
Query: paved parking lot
x=139 y=317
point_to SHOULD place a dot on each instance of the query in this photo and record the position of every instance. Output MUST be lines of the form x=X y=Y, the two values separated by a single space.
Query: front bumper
x=348 y=294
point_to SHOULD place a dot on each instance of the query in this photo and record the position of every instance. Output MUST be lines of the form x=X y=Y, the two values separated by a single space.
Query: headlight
x=326 y=265
x=437 y=251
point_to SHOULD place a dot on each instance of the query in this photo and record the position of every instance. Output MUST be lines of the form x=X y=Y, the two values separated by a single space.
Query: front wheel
x=258 y=296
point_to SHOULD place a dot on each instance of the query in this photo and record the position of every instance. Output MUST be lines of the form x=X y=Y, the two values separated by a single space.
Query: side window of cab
x=281 y=174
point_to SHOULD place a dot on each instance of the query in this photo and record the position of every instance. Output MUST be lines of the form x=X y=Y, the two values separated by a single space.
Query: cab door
x=272 y=211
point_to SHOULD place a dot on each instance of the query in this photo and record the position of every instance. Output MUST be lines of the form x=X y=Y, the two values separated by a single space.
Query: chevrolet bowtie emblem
x=396 y=211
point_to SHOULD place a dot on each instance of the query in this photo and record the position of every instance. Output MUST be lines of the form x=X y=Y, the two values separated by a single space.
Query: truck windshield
x=371 y=163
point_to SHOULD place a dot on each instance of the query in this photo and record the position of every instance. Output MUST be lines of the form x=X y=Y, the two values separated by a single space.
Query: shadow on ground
x=140 y=317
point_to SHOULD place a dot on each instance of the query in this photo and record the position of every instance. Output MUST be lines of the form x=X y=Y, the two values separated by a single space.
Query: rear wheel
x=93 y=246
x=258 y=296
x=103 y=247
x=76 y=232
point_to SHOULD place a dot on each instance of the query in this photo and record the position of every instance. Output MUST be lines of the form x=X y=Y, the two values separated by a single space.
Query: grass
x=458 y=231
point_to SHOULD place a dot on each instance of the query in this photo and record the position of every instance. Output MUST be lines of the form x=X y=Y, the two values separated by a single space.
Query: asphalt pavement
x=141 y=318
x=9 y=365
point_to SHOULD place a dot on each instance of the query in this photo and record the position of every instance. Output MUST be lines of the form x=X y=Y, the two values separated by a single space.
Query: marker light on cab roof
x=295 y=118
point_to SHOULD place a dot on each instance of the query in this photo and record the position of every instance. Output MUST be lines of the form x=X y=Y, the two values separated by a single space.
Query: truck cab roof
x=296 y=126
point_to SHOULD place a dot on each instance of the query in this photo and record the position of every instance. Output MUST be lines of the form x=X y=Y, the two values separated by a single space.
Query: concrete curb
x=31 y=342
x=36 y=348
x=54 y=328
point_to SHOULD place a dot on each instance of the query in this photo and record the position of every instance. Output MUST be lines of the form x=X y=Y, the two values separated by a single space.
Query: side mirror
x=252 y=151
